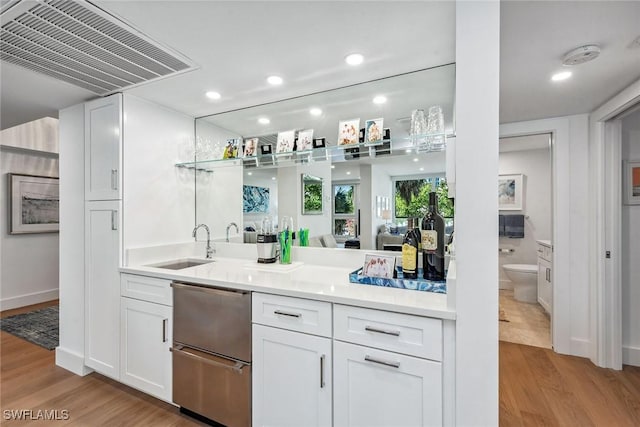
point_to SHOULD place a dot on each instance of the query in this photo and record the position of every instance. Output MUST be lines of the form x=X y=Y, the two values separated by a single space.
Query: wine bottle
x=410 y=255
x=432 y=234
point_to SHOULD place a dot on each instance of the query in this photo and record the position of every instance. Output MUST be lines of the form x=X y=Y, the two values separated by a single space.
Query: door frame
x=605 y=273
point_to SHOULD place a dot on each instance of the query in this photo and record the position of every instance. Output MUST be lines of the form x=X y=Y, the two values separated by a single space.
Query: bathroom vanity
x=545 y=282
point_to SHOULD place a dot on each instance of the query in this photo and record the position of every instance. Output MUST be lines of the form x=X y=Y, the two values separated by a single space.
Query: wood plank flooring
x=537 y=387
x=527 y=323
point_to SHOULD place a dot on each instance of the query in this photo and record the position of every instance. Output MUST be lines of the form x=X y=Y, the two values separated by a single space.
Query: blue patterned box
x=400 y=283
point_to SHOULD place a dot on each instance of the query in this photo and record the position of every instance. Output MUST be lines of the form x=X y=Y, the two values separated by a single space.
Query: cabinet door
x=103 y=144
x=291 y=378
x=145 y=339
x=102 y=287
x=544 y=284
x=381 y=388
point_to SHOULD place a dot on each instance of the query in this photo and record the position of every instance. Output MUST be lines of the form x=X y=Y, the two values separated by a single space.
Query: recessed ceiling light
x=415 y=159
x=421 y=169
x=408 y=150
x=563 y=75
x=264 y=121
x=333 y=166
x=315 y=111
x=274 y=80
x=348 y=172
x=354 y=59
x=213 y=95
x=273 y=178
x=249 y=173
x=380 y=99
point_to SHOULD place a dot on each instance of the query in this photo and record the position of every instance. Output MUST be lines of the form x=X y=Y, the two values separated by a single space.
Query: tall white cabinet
x=545 y=282
x=103 y=234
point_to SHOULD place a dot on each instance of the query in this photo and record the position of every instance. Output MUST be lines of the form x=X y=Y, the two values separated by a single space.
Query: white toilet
x=525 y=281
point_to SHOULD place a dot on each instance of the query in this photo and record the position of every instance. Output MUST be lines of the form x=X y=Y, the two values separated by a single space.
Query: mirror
x=269 y=179
x=312 y=195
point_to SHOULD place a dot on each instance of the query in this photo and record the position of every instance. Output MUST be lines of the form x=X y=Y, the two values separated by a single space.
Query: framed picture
x=373 y=132
x=312 y=194
x=348 y=132
x=34 y=204
x=305 y=140
x=319 y=142
x=265 y=149
x=510 y=192
x=285 y=142
x=255 y=199
x=231 y=149
x=250 y=147
x=379 y=266
x=631 y=182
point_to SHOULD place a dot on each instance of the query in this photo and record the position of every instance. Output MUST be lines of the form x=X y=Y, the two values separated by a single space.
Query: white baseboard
x=71 y=361
x=28 y=299
x=580 y=347
x=631 y=355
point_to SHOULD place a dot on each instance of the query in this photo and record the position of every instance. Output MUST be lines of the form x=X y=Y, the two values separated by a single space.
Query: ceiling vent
x=581 y=55
x=81 y=44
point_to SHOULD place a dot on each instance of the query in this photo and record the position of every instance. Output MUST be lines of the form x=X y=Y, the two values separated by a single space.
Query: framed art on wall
x=631 y=182
x=510 y=192
x=34 y=204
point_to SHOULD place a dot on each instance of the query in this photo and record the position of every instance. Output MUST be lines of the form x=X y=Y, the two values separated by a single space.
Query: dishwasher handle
x=208 y=289
x=210 y=359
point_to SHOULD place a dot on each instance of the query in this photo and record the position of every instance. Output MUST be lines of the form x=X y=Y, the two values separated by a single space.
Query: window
x=345 y=211
x=411 y=197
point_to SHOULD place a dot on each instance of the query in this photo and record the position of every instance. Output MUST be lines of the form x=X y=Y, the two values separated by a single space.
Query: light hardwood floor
x=537 y=387
x=527 y=323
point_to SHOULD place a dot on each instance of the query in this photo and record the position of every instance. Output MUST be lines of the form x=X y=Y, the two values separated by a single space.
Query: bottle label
x=409 y=257
x=429 y=240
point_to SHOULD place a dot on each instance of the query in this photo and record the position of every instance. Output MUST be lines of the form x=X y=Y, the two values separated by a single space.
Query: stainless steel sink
x=180 y=264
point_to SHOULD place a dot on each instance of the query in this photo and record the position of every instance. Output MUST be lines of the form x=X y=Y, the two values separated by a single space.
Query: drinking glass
x=418 y=127
x=435 y=128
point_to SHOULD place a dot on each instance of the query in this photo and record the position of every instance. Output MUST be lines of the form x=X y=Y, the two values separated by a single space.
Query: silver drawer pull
x=382 y=331
x=382 y=362
x=322 y=371
x=114 y=220
x=287 y=313
x=164 y=329
x=114 y=179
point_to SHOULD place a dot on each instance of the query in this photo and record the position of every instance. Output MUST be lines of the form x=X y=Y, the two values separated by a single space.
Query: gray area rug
x=38 y=327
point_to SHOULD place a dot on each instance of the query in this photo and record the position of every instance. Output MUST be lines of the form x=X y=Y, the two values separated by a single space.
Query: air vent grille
x=79 y=43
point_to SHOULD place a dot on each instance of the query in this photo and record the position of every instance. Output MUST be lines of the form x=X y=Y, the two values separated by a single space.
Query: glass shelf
x=334 y=153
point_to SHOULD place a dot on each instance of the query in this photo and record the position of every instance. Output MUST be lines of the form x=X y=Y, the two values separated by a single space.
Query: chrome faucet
x=231 y=224
x=209 y=249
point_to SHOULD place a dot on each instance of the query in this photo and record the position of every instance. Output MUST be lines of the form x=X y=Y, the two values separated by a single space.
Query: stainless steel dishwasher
x=212 y=352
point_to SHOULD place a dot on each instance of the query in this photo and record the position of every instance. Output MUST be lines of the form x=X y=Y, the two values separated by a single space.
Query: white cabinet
x=291 y=378
x=145 y=339
x=103 y=148
x=102 y=287
x=545 y=284
x=380 y=388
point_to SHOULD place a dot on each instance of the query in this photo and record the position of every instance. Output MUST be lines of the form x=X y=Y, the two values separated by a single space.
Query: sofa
x=386 y=237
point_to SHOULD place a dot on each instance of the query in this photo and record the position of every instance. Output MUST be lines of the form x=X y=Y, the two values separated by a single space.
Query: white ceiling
x=238 y=44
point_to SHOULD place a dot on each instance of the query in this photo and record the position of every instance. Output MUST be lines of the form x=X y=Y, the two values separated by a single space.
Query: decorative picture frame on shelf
x=631 y=182
x=319 y=142
x=348 y=132
x=231 y=149
x=510 y=192
x=285 y=142
x=379 y=266
x=373 y=132
x=266 y=149
x=34 y=204
x=250 y=148
x=305 y=140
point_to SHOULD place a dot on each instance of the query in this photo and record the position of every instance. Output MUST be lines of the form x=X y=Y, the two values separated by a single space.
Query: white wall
x=535 y=165
x=631 y=252
x=571 y=231
x=158 y=198
x=381 y=185
x=29 y=267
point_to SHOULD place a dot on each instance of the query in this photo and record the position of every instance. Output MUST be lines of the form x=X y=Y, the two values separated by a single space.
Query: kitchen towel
x=501 y=225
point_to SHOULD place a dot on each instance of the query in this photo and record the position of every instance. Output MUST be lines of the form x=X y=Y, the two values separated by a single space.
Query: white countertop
x=546 y=243
x=305 y=281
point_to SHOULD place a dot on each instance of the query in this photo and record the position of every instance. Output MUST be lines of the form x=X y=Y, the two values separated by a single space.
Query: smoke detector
x=581 y=55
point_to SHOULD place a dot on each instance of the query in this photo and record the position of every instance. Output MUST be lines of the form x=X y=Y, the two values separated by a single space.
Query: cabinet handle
x=114 y=220
x=287 y=313
x=114 y=179
x=382 y=331
x=322 y=371
x=382 y=362
x=164 y=329
x=548 y=274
